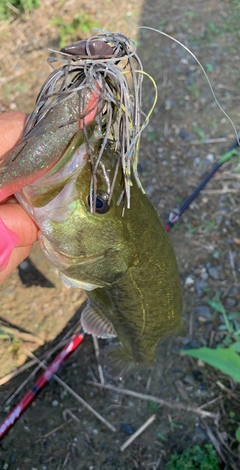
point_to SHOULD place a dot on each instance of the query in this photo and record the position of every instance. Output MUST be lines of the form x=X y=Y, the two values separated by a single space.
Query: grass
x=81 y=24
x=206 y=227
x=225 y=357
x=194 y=89
x=194 y=458
x=15 y=343
x=9 y=8
x=200 y=133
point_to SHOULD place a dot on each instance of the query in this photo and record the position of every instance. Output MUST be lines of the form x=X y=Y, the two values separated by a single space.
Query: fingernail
x=8 y=241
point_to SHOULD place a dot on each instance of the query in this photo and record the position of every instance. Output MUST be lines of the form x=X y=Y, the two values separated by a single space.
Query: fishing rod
x=175 y=215
x=78 y=338
x=39 y=384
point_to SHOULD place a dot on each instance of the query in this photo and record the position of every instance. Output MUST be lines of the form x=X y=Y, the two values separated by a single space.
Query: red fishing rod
x=77 y=340
x=39 y=384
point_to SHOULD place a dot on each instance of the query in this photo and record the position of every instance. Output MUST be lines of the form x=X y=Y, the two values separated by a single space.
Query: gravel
x=214 y=273
x=203 y=311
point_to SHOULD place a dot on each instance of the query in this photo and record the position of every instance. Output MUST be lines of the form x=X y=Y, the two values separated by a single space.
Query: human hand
x=18 y=232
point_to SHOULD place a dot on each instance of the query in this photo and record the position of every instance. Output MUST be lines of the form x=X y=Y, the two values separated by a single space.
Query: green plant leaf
x=237 y=434
x=226 y=360
x=217 y=305
x=162 y=437
x=209 y=67
x=153 y=405
x=235 y=346
x=194 y=458
x=175 y=425
x=222 y=328
x=3 y=334
x=233 y=315
x=21 y=5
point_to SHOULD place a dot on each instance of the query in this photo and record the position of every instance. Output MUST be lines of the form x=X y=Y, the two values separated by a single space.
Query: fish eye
x=101 y=206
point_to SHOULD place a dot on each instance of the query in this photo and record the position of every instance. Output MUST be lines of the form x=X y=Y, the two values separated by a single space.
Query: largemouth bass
x=124 y=260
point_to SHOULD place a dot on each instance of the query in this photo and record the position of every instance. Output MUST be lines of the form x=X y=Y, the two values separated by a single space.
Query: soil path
x=186 y=136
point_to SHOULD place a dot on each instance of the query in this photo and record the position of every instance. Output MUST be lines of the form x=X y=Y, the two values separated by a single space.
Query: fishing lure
x=75 y=172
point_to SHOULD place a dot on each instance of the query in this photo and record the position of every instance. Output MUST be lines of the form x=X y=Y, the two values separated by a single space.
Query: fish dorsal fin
x=95 y=323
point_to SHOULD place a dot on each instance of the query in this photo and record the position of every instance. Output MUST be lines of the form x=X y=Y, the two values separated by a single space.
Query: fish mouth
x=63 y=261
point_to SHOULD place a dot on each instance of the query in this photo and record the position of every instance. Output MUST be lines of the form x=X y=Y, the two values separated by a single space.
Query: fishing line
x=119 y=119
x=135 y=161
x=121 y=104
x=128 y=119
x=201 y=67
x=175 y=215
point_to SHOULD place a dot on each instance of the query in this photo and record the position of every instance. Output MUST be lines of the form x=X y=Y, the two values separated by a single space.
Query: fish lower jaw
x=61 y=262
x=68 y=282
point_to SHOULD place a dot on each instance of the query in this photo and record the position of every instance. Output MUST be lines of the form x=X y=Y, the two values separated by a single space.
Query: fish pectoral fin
x=95 y=323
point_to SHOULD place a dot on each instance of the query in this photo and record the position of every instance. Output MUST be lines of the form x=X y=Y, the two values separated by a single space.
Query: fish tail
x=120 y=359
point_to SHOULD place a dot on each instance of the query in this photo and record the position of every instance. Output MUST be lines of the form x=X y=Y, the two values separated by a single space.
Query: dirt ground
x=186 y=136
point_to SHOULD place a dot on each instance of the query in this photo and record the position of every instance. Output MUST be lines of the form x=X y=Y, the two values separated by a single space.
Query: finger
x=17 y=256
x=11 y=127
x=9 y=200
x=17 y=220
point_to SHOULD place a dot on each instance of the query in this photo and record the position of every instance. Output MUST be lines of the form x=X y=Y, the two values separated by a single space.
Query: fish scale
x=126 y=263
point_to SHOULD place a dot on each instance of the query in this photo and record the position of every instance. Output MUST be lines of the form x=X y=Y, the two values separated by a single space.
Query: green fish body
x=75 y=172
x=125 y=262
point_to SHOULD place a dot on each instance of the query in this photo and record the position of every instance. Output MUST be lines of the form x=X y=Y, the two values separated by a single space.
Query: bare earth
x=186 y=136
